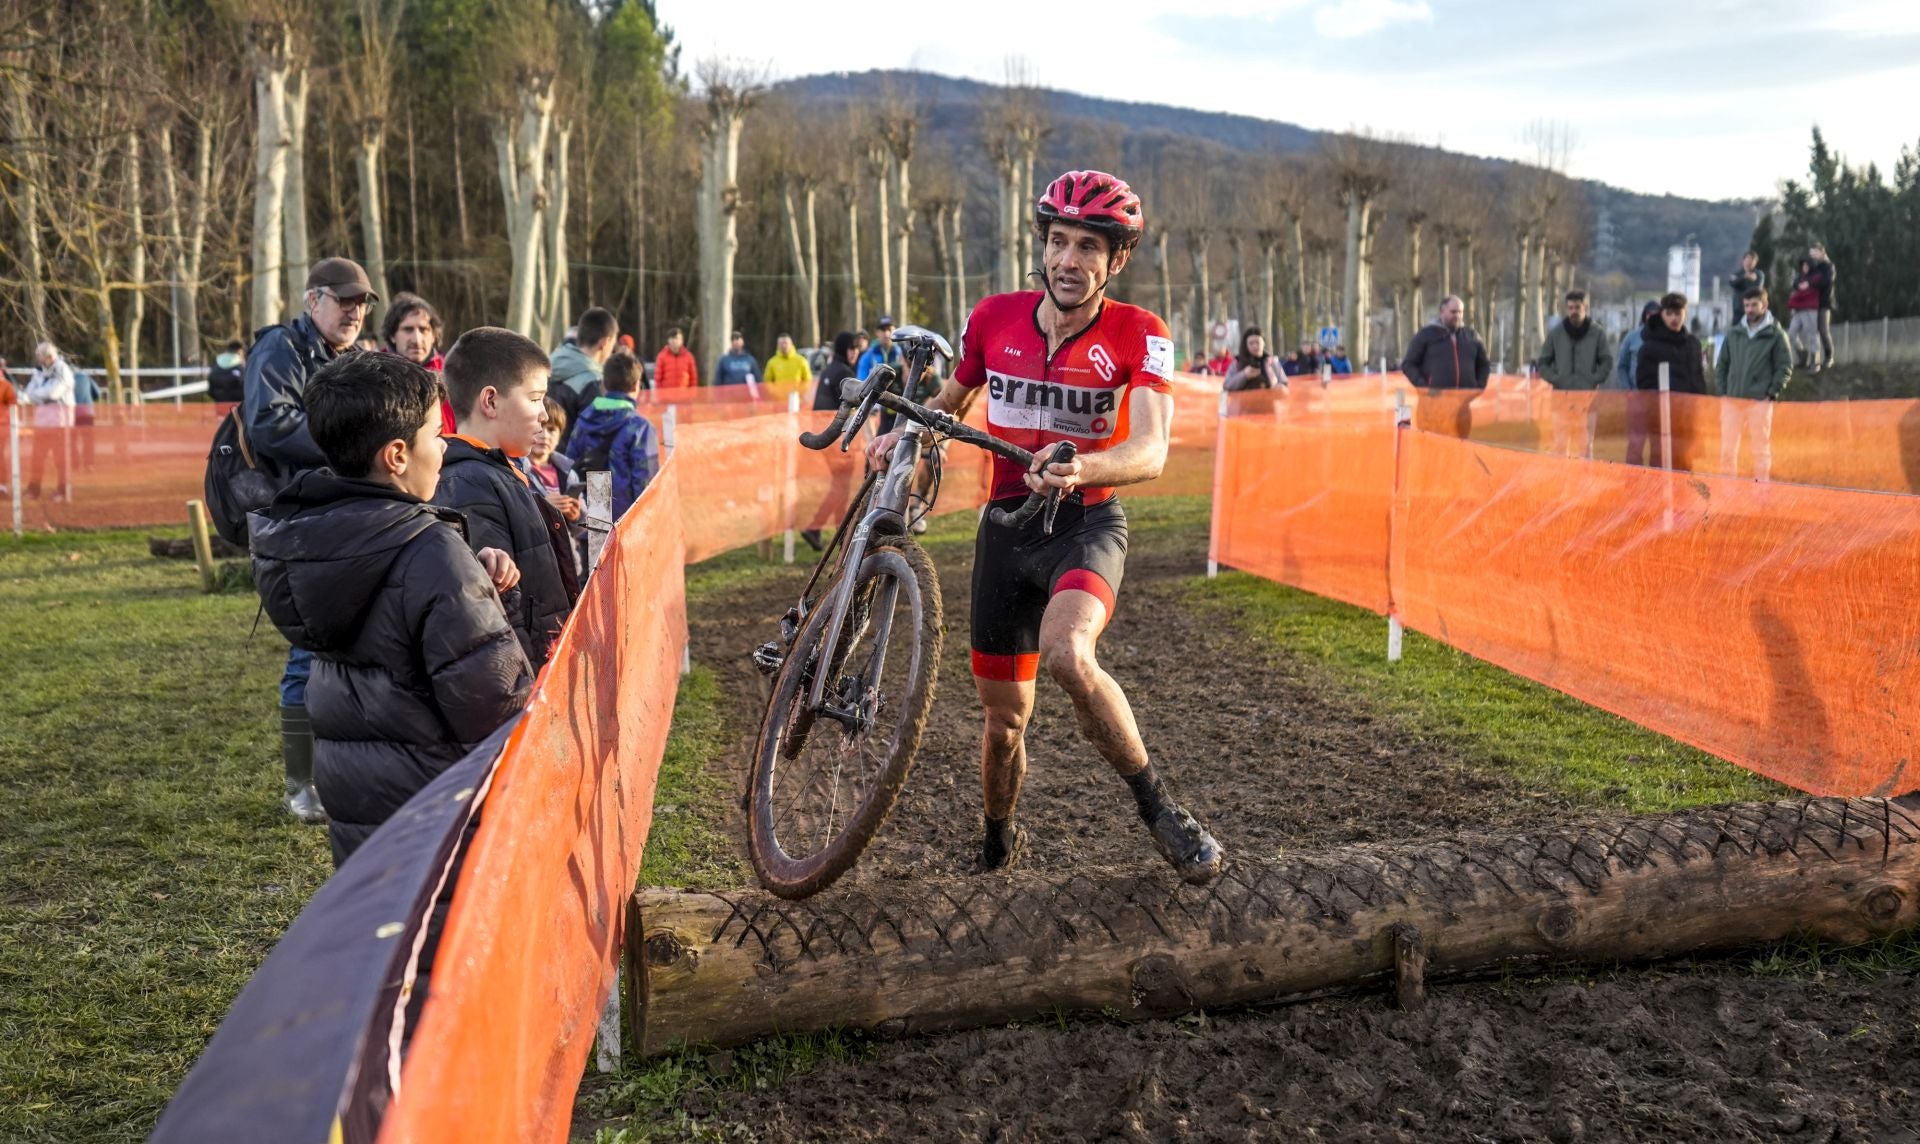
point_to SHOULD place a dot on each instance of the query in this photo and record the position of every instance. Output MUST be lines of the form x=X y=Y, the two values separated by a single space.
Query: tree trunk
x=963 y=302
x=1446 y=265
x=940 y=262
x=298 y=249
x=1166 y=279
x=373 y=240
x=1007 y=258
x=460 y=185
x=1519 y=302
x=269 y=180
x=806 y=253
x=136 y=262
x=559 y=292
x=1470 y=273
x=811 y=197
x=1300 y=271
x=1239 y=281
x=1269 y=291
x=24 y=140
x=413 y=206
x=719 y=238
x=176 y=247
x=1023 y=205
x=1354 y=286
x=1198 y=243
x=1419 y=300
x=909 y=957
x=640 y=233
x=850 y=195
x=903 y=230
x=522 y=152
x=877 y=173
x=197 y=241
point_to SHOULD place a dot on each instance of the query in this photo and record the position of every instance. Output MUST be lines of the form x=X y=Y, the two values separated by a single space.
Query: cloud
x=1346 y=19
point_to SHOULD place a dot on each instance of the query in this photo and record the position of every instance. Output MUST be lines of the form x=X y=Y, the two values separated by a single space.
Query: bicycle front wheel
x=824 y=779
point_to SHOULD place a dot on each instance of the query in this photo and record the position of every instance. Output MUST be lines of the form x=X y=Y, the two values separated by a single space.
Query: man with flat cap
x=337 y=301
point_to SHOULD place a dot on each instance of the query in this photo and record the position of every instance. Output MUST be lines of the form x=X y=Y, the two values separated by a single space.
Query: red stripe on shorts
x=1083 y=580
x=1019 y=668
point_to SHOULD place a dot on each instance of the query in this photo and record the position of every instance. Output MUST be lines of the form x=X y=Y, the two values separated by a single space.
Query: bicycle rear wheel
x=823 y=782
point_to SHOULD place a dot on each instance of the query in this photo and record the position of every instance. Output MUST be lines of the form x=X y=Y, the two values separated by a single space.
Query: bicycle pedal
x=767 y=658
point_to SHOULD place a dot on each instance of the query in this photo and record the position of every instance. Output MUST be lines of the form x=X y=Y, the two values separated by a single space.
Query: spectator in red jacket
x=1803 y=317
x=675 y=367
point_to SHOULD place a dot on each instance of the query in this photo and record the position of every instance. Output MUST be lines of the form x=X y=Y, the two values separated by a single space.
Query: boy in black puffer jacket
x=1664 y=340
x=415 y=663
x=497 y=383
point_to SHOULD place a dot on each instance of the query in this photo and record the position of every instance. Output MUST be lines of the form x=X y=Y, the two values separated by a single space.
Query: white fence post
x=669 y=441
x=13 y=466
x=1396 y=634
x=1219 y=464
x=599 y=516
x=791 y=493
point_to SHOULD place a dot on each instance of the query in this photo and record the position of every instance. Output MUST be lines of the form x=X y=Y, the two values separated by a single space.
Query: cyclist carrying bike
x=1064 y=363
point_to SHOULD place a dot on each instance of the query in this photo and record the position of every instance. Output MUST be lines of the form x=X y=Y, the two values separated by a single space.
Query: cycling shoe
x=1186 y=845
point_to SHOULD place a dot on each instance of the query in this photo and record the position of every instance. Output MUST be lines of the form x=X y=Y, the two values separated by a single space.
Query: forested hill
x=1155 y=136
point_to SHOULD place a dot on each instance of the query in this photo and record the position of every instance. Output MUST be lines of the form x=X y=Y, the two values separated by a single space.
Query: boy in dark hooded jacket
x=415 y=663
x=613 y=436
x=497 y=383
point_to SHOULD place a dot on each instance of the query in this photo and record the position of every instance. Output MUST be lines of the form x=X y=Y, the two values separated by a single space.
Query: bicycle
x=840 y=733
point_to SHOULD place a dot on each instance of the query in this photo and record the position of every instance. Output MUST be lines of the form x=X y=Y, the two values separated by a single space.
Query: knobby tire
x=788 y=726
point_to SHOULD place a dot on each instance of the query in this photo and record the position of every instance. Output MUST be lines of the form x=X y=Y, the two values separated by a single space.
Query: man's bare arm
x=1141 y=457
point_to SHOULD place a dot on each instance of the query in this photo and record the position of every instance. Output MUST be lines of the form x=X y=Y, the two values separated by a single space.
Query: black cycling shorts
x=1017 y=571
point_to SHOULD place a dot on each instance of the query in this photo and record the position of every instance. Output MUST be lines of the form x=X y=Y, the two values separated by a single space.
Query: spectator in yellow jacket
x=787 y=370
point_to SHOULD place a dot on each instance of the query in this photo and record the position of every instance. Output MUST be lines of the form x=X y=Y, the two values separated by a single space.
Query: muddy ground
x=1273 y=757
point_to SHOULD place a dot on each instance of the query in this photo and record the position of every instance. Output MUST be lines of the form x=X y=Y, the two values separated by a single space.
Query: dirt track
x=1262 y=750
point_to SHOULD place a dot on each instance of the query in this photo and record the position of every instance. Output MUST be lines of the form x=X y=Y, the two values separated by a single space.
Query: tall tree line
x=168 y=178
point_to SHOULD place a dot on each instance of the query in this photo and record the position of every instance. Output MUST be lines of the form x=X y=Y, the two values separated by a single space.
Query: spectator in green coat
x=1575 y=359
x=1754 y=366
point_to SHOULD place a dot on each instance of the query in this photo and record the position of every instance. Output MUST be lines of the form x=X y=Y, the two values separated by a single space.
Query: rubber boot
x=296 y=747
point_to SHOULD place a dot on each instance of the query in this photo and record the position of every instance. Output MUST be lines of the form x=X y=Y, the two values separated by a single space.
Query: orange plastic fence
x=1767 y=623
x=135 y=465
x=530 y=943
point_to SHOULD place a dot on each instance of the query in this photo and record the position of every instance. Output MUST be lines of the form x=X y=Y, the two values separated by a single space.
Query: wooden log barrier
x=903 y=956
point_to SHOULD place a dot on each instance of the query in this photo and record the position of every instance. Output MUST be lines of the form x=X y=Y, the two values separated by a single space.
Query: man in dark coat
x=497 y=383
x=1665 y=340
x=1446 y=355
x=275 y=410
x=414 y=660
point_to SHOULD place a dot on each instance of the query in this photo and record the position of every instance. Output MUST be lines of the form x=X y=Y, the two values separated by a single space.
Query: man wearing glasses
x=337 y=299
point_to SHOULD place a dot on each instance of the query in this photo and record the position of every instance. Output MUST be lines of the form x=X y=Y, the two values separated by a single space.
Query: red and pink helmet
x=1096 y=200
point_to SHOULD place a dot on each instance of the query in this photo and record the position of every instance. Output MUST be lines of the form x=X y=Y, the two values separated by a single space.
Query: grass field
x=146 y=867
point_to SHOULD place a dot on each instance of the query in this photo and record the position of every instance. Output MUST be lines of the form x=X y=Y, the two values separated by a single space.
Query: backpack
x=235 y=485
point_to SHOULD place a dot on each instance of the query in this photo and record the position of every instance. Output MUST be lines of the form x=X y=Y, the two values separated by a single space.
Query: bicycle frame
x=888 y=515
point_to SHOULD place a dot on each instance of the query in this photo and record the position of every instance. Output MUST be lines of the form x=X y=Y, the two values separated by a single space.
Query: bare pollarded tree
x=898 y=126
x=520 y=140
x=369 y=54
x=1362 y=169
x=1016 y=125
x=730 y=91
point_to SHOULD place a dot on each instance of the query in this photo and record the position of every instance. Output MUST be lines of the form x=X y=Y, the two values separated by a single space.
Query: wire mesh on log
x=1040 y=914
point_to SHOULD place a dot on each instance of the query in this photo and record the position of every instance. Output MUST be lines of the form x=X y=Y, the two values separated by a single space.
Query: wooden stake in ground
x=202 y=545
x=947 y=953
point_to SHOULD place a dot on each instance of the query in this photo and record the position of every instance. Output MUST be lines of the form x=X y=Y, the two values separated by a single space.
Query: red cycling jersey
x=1079 y=394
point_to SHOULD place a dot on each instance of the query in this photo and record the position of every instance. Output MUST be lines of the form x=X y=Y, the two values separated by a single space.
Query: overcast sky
x=1705 y=98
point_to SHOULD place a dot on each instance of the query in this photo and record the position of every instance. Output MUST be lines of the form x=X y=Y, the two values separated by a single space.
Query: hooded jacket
x=1754 y=364
x=502 y=511
x=414 y=661
x=275 y=401
x=612 y=434
x=576 y=381
x=1678 y=349
x=1567 y=362
x=1439 y=358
